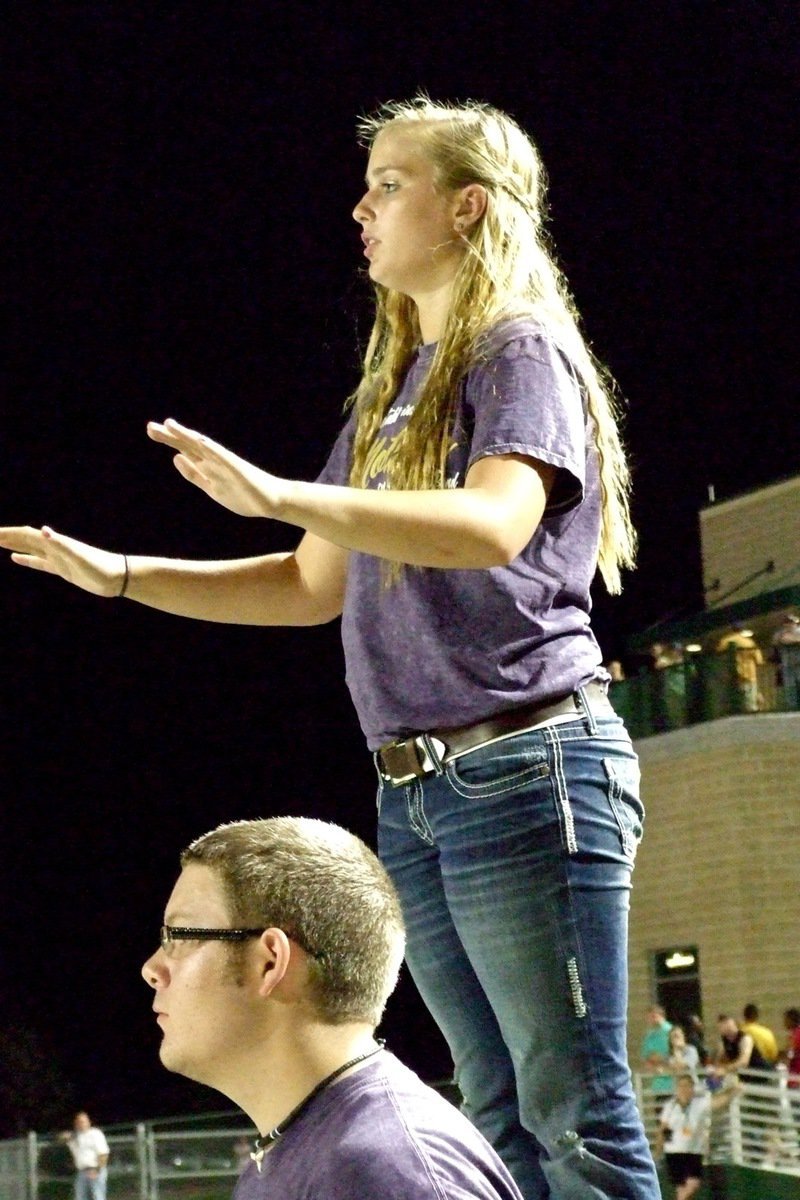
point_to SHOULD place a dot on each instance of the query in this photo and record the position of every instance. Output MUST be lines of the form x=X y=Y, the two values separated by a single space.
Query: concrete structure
x=718 y=876
x=741 y=536
x=718 y=873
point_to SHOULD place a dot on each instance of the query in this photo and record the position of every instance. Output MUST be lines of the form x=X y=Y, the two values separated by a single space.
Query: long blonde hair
x=509 y=270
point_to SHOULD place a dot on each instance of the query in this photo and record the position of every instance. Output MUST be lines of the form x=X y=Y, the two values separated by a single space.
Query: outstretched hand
x=101 y=572
x=231 y=481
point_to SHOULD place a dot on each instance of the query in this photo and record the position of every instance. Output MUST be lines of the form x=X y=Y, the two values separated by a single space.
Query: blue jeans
x=513 y=866
x=91 y=1189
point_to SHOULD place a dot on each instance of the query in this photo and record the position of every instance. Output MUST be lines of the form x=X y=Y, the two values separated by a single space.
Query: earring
x=459 y=226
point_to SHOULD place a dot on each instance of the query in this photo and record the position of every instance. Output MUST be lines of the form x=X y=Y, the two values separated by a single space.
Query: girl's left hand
x=231 y=481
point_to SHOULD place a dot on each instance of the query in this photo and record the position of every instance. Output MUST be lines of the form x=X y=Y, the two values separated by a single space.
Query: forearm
x=485 y=523
x=456 y=528
x=268 y=590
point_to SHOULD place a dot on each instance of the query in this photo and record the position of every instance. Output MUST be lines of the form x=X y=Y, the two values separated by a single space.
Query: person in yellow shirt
x=763 y=1037
x=748 y=659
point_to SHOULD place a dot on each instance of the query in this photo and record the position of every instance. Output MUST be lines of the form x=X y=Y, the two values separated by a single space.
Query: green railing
x=703 y=687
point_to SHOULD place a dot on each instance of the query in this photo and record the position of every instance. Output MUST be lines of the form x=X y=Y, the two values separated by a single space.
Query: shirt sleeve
x=337 y=468
x=526 y=400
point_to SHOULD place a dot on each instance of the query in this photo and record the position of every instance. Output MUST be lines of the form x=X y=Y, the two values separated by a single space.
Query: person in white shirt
x=683 y=1133
x=89 y=1149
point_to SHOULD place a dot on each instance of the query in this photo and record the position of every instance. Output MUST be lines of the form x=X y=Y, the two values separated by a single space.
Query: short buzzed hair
x=328 y=892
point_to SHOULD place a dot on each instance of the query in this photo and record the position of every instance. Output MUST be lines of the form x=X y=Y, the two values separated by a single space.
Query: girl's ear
x=470 y=206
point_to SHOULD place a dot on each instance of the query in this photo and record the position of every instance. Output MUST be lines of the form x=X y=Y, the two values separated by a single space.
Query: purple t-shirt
x=379 y=1134
x=441 y=647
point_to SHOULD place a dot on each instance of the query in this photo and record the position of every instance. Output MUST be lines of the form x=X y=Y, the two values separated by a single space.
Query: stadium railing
x=200 y=1157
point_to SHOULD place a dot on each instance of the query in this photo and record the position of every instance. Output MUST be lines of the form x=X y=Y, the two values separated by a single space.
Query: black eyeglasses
x=170 y=934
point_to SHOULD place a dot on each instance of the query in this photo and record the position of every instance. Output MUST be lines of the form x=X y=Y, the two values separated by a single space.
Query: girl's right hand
x=100 y=572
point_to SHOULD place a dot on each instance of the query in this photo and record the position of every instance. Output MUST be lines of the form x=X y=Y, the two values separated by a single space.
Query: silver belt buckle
x=399 y=780
x=426 y=763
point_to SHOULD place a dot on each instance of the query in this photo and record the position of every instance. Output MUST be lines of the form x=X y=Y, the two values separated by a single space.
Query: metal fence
x=759 y=1129
x=200 y=1158
x=153 y=1161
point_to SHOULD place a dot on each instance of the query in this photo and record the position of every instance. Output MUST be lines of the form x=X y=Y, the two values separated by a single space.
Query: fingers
x=178 y=436
x=24 y=540
x=165 y=432
x=228 y=479
x=29 y=546
x=34 y=562
x=102 y=572
x=18 y=537
x=188 y=441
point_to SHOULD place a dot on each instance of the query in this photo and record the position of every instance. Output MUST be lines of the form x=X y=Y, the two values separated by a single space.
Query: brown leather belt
x=414 y=757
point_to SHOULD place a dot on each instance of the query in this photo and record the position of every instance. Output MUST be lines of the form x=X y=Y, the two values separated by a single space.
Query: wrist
x=289 y=502
x=125 y=579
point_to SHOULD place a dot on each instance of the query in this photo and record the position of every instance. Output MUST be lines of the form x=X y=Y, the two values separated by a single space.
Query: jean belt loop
x=431 y=749
x=582 y=701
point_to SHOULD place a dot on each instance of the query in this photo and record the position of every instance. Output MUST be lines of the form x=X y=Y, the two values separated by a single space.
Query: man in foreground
x=282 y=941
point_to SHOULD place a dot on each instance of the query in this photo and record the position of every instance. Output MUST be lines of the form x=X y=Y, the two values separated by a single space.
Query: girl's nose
x=362 y=212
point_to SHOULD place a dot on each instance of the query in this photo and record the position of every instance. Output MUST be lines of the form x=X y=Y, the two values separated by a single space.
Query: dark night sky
x=183 y=246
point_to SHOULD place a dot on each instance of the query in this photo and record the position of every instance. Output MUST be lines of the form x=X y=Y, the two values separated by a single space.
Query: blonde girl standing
x=457 y=527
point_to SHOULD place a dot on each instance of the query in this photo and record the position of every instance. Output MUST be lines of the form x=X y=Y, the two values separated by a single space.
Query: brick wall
x=739 y=536
x=719 y=866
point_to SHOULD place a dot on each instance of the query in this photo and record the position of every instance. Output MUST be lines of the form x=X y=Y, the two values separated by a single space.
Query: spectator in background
x=665 y=655
x=736 y=1052
x=786 y=642
x=656 y=1049
x=683 y=1057
x=762 y=1035
x=669 y=686
x=748 y=659
x=683 y=1133
x=791 y=1055
x=696 y=1036
x=616 y=670
x=89 y=1149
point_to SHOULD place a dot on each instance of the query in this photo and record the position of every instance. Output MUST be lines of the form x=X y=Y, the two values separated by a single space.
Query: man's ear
x=471 y=206
x=275 y=952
